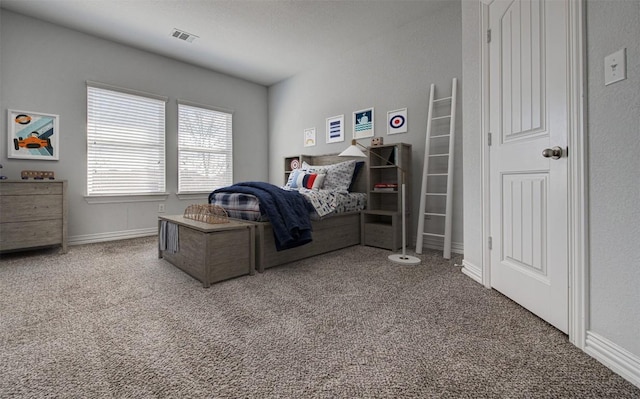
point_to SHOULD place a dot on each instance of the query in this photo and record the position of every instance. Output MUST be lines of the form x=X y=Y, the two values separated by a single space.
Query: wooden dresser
x=33 y=213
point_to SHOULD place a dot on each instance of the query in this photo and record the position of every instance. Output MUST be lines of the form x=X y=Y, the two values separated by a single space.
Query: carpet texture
x=112 y=320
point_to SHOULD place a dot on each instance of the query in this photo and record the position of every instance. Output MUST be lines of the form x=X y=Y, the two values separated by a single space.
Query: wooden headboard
x=360 y=185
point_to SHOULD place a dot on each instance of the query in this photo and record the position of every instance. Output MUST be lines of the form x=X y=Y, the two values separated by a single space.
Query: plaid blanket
x=288 y=211
x=239 y=205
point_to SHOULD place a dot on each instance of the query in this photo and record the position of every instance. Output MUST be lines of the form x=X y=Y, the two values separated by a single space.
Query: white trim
x=577 y=203
x=112 y=236
x=578 y=209
x=199 y=105
x=618 y=359
x=472 y=271
x=127 y=91
x=484 y=126
x=436 y=243
x=116 y=199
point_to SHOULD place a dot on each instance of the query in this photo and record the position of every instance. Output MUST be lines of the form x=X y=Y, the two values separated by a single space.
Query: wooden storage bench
x=211 y=252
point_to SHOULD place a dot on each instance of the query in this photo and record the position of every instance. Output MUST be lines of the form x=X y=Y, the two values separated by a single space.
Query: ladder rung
x=441 y=117
x=432 y=154
x=433 y=235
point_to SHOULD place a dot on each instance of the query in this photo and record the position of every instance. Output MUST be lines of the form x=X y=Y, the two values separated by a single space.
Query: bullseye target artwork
x=397 y=121
x=32 y=135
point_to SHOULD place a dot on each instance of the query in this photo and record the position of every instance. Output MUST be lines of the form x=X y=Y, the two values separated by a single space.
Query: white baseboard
x=473 y=271
x=436 y=243
x=112 y=236
x=618 y=359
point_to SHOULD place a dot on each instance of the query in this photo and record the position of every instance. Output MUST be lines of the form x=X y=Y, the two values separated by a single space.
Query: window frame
x=229 y=150
x=133 y=196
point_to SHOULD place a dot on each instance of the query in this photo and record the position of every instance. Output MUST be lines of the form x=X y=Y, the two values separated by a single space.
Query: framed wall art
x=310 y=137
x=363 y=123
x=335 y=129
x=32 y=135
x=397 y=121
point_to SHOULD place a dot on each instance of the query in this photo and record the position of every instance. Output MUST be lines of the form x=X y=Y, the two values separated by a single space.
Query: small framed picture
x=335 y=129
x=397 y=121
x=363 y=123
x=32 y=135
x=310 y=137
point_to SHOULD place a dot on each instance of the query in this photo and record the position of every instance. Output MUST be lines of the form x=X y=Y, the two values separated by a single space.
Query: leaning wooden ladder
x=431 y=192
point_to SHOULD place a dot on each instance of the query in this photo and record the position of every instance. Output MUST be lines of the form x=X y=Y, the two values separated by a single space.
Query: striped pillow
x=304 y=179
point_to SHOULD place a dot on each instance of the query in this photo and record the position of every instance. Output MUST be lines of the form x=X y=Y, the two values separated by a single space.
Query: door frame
x=577 y=207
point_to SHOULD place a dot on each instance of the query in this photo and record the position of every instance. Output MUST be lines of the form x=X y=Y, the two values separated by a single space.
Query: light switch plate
x=615 y=67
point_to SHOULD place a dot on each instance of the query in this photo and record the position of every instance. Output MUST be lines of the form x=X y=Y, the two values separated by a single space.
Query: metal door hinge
x=489 y=138
x=488 y=35
x=490 y=242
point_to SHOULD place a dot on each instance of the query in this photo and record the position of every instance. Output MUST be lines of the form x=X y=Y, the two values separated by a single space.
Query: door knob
x=555 y=152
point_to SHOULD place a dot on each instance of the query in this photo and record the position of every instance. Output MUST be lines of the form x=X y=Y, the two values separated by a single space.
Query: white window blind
x=205 y=148
x=125 y=143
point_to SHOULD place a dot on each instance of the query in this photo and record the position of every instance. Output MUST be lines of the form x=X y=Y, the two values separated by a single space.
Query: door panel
x=524 y=214
x=523 y=98
x=528 y=113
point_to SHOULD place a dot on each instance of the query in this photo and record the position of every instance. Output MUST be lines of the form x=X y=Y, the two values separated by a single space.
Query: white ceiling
x=263 y=41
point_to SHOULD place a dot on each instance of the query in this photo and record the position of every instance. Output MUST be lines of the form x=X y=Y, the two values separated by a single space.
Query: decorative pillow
x=314 y=181
x=291 y=178
x=338 y=177
x=301 y=178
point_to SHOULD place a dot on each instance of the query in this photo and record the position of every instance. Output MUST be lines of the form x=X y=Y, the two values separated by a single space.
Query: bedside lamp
x=403 y=258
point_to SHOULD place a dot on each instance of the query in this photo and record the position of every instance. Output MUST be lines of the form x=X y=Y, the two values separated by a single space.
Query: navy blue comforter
x=288 y=211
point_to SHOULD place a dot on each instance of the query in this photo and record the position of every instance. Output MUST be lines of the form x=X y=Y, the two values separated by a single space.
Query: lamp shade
x=352 y=151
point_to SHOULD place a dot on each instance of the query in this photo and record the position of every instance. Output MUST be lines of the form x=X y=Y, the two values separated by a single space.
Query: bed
x=332 y=229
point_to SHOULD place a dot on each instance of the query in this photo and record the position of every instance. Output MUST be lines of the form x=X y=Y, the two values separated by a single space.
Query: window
x=125 y=142
x=205 y=156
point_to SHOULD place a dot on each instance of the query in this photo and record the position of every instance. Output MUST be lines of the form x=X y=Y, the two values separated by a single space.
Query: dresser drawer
x=30 y=234
x=379 y=235
x=21 y=208
x=31 y=188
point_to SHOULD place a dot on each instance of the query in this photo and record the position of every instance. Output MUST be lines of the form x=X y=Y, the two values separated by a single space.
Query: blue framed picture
x=363 y=122
x=335 y=129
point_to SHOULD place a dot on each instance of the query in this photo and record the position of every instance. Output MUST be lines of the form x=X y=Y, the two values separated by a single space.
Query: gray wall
x=45 y=67
x=614 y=169
x=472 y=135
x=613 y=139
x=387 y=73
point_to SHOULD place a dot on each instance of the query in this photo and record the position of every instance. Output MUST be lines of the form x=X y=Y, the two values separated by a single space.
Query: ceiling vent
x=182 y=35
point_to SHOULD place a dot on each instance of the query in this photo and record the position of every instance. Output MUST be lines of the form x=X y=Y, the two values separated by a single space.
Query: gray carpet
x=112 y=320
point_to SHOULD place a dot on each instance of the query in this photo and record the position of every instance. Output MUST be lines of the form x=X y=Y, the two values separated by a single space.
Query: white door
x=529 y=61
